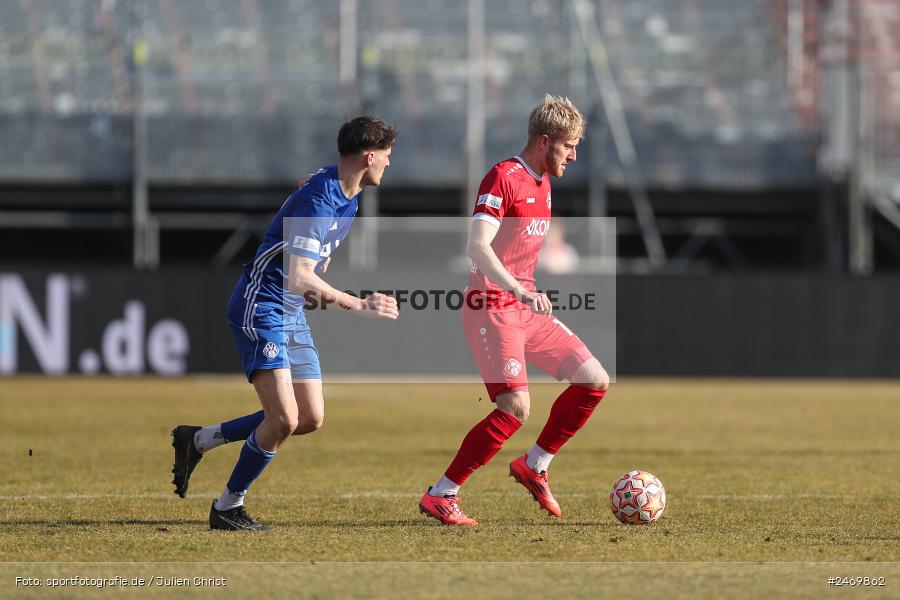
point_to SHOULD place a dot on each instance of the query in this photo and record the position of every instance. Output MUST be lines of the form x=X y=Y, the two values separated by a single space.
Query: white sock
x=538 y=459
x=209 y=437
x=444 y=487
x=229 y=500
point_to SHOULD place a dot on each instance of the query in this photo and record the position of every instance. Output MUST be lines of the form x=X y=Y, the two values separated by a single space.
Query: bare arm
x=305 y=282
x=479 y=249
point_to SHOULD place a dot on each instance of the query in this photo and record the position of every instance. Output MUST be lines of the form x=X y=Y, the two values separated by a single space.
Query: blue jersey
x=312 y=223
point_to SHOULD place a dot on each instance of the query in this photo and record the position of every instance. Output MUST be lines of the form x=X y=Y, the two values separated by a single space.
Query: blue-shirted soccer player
x=265 y=315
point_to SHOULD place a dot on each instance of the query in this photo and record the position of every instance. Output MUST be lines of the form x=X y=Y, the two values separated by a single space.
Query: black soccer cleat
x=233 y=519
x=186 y=457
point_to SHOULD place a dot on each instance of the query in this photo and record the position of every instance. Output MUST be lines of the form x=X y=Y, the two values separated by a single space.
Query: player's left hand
x=325 y=264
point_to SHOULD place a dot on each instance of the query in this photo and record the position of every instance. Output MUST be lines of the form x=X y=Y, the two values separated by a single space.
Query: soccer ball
x=638 y=498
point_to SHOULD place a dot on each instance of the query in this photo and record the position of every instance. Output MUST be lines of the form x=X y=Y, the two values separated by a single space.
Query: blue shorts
x=276 y=341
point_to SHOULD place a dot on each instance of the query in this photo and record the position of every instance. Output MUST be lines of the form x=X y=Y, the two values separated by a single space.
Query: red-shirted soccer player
x=507 y=323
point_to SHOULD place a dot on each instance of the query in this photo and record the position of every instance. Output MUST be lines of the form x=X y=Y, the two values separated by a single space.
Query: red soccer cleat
x=536 y=483
x=445 y=509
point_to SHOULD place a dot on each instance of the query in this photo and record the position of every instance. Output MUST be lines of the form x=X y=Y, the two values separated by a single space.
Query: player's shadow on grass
x=560 y=523
x=172 y=522
x=355 y=524
x=96 y=522
x=349 y=524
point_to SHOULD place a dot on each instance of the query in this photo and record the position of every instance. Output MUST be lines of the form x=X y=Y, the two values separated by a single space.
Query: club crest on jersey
x=513 y=367
x=270 y=350
x=537 y=227
x=548 y=201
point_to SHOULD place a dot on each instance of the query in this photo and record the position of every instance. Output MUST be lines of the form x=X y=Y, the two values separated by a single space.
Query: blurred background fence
x=784 y=112
x=725 y=136
x=250 y=91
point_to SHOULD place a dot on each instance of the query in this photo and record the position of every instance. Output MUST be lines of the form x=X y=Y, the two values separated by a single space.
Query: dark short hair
x=365 y=133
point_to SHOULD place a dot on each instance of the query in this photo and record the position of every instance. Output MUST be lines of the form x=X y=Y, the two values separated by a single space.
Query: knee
x=599 y=379
x=592 y=376
x=520 y=412
x=309 y=425
x=516 y=405
x=282 y=426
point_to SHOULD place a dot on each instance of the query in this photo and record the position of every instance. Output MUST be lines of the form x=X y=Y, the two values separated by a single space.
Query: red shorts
x=502 y=342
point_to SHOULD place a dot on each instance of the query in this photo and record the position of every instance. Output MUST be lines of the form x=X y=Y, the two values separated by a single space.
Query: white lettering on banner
x=537 y=227
x=168 y=344
x=122 y=342
x=49 y=342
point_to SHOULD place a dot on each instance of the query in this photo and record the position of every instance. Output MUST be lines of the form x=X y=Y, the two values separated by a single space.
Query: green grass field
x=772 y=486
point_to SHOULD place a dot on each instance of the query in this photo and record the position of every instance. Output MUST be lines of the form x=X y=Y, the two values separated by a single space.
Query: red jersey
x=517 y=201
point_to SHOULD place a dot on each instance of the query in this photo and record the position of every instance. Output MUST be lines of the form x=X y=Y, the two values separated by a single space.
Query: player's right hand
x=538 y=303
x=380 y=306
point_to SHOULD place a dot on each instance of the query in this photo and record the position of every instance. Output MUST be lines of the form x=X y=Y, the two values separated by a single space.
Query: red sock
x=481 y=444
x=569 y=414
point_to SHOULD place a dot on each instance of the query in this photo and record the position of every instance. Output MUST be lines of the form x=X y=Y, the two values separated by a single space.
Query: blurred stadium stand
x=880 y=52
x=725 y=102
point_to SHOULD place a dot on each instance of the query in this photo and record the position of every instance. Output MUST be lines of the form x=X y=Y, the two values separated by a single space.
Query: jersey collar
x=527 y=168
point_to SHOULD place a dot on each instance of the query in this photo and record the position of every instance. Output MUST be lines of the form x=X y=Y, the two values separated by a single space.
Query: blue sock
x=251 y=463
x=242 y=427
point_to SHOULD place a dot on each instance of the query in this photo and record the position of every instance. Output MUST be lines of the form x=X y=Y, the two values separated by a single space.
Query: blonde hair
x=557 y=118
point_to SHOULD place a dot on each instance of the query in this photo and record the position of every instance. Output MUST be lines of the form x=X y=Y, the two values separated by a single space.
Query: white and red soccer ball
x=638 y=498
